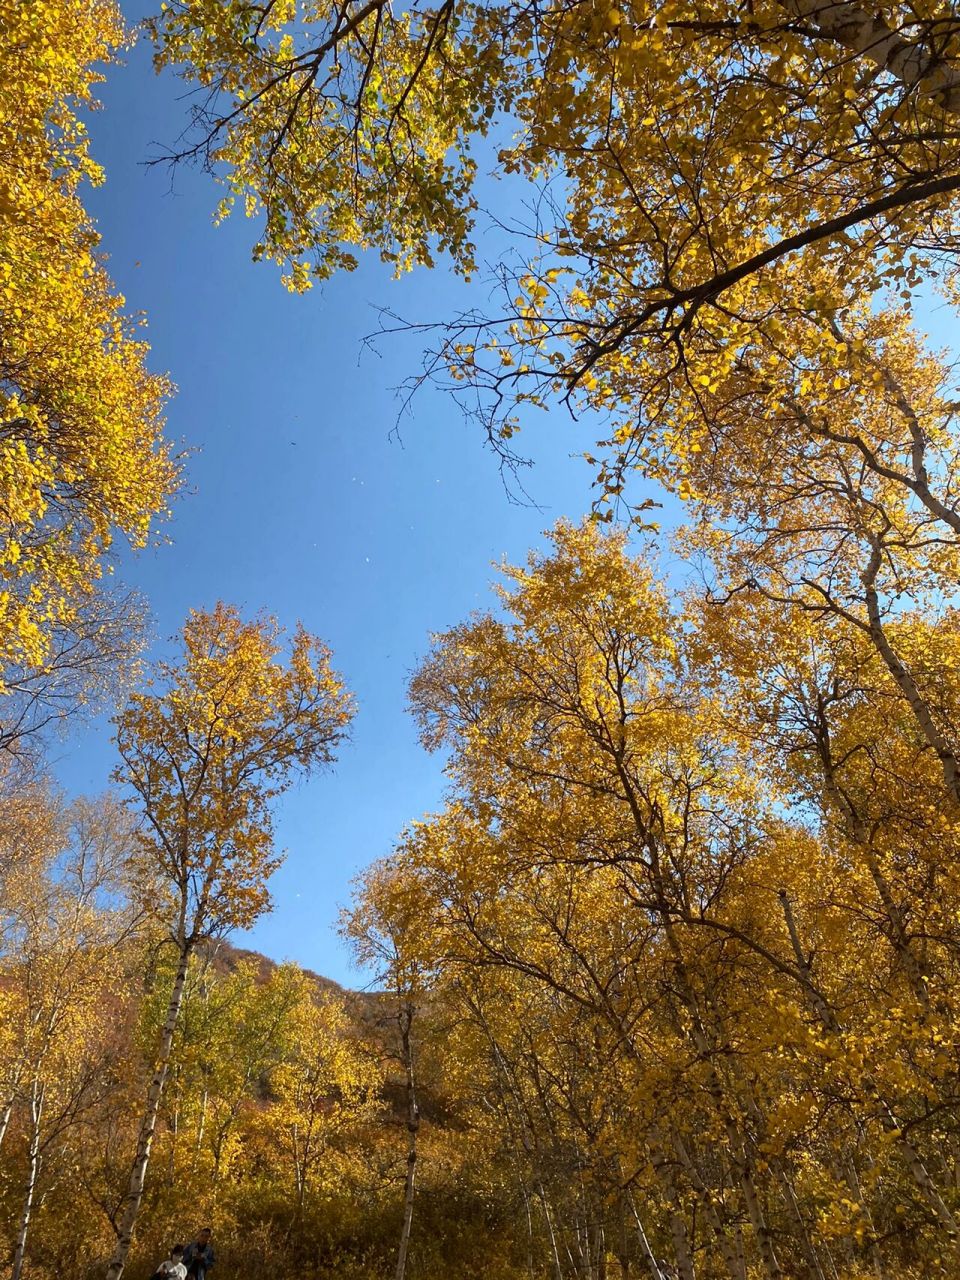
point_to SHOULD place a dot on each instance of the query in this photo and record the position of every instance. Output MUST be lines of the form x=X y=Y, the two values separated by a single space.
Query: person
x=198 y=1257
x=172 y=1268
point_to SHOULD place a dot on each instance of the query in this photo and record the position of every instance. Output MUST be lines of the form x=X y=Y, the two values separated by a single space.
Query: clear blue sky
x=299 y=501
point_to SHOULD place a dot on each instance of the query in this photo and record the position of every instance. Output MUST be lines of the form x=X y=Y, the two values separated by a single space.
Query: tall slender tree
x=205 y=750
x=387 y=928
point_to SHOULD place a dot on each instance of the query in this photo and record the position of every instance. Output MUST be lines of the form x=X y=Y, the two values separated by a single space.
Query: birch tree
x=325 y=1087
x=712 y=189
x=205 y=750
x=68 y=924
x=646 y=843
x=389 y=930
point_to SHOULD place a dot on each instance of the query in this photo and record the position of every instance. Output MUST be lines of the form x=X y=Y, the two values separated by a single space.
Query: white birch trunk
x=405 y=1020
x=138 y=1174
x=201 y=1127
x=33 y=1167
x=724 y=1242
x=917 y=66
x=5 y=1114
x=551 y=1231
x=907 y=685
x=645 y=1249
x=678 y=1226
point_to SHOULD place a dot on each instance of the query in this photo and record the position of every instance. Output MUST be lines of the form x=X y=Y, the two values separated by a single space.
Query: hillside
x=365 y=1006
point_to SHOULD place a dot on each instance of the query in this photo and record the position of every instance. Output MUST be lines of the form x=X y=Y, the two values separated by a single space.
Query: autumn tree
x=619 y=96
x=716 y=992
x=209 y=1090
x=733 y=220
x=587 y=806
x=205 y=750
x=83 y=459
x=387 y=928
x=325 y=1086
x=67 y=922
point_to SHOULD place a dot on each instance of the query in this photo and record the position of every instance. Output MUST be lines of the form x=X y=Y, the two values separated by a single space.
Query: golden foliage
x=209 y=746
x=82 y=456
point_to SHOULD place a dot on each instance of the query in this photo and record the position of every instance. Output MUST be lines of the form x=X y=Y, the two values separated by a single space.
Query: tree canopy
x=719 y=194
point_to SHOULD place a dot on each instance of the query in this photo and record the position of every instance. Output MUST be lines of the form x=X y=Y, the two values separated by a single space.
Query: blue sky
x=299 y=501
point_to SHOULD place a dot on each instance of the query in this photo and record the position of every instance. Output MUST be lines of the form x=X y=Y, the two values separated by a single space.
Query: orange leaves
x=294 y=99
x=83 y=454
x=213 y=740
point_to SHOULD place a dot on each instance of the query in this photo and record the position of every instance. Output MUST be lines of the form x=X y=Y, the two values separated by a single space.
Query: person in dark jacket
x=199 y=1257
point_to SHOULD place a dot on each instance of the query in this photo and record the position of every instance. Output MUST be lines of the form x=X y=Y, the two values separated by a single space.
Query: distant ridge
x=366 y=1007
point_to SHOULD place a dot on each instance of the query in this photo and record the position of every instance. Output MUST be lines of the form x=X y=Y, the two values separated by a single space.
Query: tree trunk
x=405 y=1020
x=678 y=1226
x=623 y=1236
x=856 y=1190
x=702 y=1040
x=5 y=1113
x=645 y=1249
x=138 y=1174
x=725 y=1242
x=854 y=828
x=803 y=1232
x=920 y=67
x=202 y=1124
x=600 y=1250
x=301 y=1167
x=36 y=1112
x=905 y=682
x=551 y=1231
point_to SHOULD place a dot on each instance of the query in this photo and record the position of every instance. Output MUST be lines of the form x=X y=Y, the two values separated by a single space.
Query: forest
x=666 y=985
